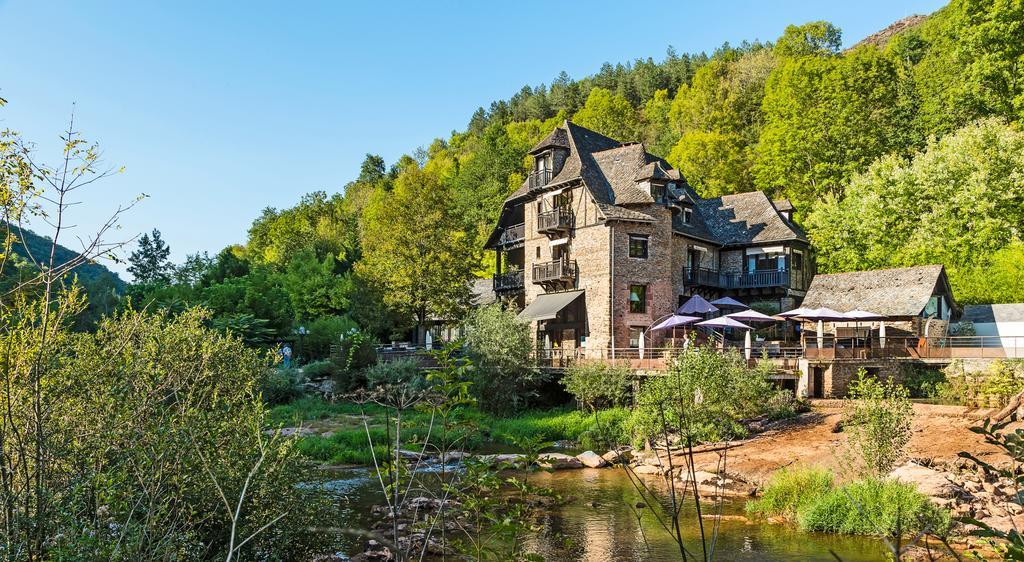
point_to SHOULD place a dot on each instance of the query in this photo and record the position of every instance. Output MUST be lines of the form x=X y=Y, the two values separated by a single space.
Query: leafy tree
x=599 y=384
x=957 y=202
x=149 y=263
x=609 y=114
x=372 y=170
x=827 y=118
x=810 y=39
x=319 y=224
x=500 y=346
x=414 y=250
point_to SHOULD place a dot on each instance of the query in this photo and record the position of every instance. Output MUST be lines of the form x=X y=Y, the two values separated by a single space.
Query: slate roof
x=557 y=138
x=611 y=170
x=748 y=218
x=889 y=292
x=482 y=292
x=989 y=313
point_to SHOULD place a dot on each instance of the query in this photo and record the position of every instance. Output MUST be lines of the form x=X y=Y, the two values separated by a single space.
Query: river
x=598 y=523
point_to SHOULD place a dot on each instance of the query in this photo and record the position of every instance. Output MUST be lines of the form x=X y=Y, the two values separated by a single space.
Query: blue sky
x=220 y=109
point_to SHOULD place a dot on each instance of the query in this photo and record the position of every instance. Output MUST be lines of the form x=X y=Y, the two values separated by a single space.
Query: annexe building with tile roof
x=602 y=239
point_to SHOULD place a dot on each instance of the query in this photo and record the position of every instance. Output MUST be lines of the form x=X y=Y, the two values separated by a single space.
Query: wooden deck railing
x=539 y=178
x=512 y=235
x=714 y=278
x=555 y=220
x=550 y=271
x=508 y=281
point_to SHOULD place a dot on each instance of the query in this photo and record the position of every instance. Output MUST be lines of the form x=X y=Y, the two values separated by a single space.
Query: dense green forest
x=103 y=287
x=904 y=149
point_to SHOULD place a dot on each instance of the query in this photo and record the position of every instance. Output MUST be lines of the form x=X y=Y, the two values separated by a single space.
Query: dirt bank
x=940 y=433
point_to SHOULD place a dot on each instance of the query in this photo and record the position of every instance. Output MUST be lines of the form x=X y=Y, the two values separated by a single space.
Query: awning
x=547 y=306
x=558 y=242
x=766 y=250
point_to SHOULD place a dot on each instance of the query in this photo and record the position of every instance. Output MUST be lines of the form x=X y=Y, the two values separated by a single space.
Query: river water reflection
x=599 y=523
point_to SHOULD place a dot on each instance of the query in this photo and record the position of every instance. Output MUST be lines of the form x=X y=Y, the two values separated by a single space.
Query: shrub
x=704 y=396
x=398 y=372
x=1002 y=380
x=280 y=386
x=500 y=346
x=922 y=382
x=599 y=384
x=325 y=332
x=874 y=507
x=321 y=370
x=791 y=491
x=878 y=419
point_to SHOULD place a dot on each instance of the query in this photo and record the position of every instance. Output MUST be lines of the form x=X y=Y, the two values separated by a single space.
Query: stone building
x=603 y=239
x=917 y=305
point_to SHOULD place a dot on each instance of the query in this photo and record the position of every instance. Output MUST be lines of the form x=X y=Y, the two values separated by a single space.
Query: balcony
x=510 y=281
x=557 y=220
x=512 y=237
x=539 y=178
x=554 y=271
x=749 y=280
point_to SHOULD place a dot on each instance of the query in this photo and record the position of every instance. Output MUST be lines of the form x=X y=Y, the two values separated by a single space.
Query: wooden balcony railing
x=539 y=178
x=713 y=278
x=508 y=281
x=552 y=271
x=556 y=220
x=512 y=236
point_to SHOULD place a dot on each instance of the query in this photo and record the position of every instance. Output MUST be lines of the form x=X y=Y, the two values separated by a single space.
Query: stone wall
x=731 y=261
x=656 y=272
x=839 y=374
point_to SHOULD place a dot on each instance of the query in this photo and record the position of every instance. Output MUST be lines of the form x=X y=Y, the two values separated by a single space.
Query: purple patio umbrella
x=697 y=305
x=723 y=322
x=674 y=321
x=822 y=315
x=795 y=312
x=728 y=302
x=751 y=316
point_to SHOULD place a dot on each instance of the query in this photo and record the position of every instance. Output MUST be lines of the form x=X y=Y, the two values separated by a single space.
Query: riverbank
x=334 y=434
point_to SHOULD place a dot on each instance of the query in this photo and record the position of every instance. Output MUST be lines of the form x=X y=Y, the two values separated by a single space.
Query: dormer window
x=658 y=193
x=543 y=162
x=687 y=215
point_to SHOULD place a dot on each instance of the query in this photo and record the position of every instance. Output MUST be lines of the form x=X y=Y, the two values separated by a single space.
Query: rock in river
x=559 y=461
x=591 y=459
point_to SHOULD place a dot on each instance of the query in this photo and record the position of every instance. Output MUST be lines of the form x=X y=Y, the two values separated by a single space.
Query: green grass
x=792 y=490
x=348 y=444
x=863 y=507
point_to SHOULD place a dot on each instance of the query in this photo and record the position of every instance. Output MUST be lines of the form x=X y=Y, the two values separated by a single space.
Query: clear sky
x=219 y=109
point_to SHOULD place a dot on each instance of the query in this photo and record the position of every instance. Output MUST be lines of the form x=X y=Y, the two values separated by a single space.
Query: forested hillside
x=102 y=286
x=904 y=149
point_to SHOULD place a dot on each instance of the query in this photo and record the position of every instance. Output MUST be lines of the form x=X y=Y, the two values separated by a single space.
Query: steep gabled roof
x=903 y=291
x=746 y=218
x=557 y=138
x=611 y=172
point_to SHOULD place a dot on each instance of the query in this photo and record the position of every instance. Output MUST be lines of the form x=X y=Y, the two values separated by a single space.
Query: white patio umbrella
x=429 y=341
x=881 y=333
x=863 y=315
x=746 y=345
x=640 y=345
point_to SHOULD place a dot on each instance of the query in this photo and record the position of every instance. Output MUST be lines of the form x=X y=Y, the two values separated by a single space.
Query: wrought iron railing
x=559 y=218
x=549 y=271
x=539 y=178
x=508 y=281
x=713 y=278
x=512 y=235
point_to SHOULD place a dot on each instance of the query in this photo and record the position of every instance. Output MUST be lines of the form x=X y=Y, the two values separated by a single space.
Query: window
x=542 y=162
x=638 y=298
x=687 y=215
x=634 y=336
x=766 y=262
x=562 y=200
x=538 y=252
x=658 y=192
x=638 y=246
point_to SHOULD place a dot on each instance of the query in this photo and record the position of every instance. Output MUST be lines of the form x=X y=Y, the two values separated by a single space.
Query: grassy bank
x=342 y=437
x=811 y=498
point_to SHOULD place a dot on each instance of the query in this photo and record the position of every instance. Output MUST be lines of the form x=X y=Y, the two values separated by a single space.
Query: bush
x=599 y=384
x=874 y=507
x=863 y=507
x=922 y=382
x=280 y=386
x=878 y=419
x=500 y=346
x=398 y=372
x=323 y=333
x=704 y=396
x=321 y=370
x=791 y=491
